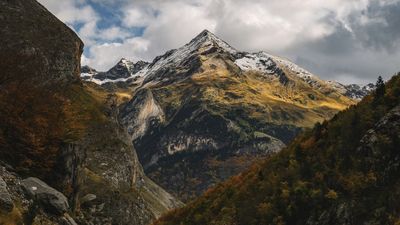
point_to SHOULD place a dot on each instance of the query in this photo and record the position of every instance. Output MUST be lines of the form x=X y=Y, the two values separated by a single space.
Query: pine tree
x=380 y=88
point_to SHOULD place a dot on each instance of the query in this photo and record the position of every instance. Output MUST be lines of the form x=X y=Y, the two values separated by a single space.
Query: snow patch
x=256 y=61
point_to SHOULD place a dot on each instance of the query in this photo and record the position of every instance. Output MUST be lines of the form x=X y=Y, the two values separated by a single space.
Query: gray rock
x=6 y=203
x=85 y=200
x=49 y=198
x=67 y=220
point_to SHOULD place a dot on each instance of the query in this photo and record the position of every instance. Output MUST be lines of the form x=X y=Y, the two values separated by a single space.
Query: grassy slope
x=320 y=173
x=222 y=90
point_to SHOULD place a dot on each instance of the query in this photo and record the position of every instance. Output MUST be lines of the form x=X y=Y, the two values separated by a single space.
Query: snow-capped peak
x=354 y=91
x=256 y=61
x=206 y=38
x=204 y=43
x=267 y=63
x=126 y=63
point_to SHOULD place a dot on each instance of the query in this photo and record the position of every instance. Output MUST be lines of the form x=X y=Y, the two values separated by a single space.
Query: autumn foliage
x=322 y=177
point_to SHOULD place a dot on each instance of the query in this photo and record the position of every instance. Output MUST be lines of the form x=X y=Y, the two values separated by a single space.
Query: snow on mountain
x=266 y=63
x=123 y=71
x=205 y=41
x=256 y=61
x=127 y=71
x=353 y=91
x=87 y=72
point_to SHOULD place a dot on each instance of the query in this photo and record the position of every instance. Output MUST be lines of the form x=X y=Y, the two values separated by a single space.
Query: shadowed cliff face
x=39 y=64
x=62 y=131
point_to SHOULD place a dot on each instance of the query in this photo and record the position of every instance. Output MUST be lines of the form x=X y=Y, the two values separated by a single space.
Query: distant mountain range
x=206 y=111
x=127 y=71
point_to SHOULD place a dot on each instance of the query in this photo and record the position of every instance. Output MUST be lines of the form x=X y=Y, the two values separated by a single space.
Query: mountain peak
x=208 y=38
x=125 y=61
x=207 y=33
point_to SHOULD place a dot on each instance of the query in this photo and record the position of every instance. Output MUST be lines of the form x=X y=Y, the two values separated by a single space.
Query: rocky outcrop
x=39 y=61
x=63 y=132
x=385 y=132
x=141 y=113
x=6 y=203
x=45 y=205
x=34 y=45
x=51 y=200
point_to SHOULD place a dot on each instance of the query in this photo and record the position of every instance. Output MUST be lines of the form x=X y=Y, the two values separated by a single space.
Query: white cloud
x=138 y=16
x=71 y=11
x=277 y=26
x=106 y=55
x=113 y=33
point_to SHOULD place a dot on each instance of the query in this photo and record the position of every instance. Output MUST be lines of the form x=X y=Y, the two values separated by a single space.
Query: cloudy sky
x=352 y=41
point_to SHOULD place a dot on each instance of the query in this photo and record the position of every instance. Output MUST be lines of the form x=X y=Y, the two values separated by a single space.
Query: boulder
x=6 y=203
x=47 y=197
x=87 y=199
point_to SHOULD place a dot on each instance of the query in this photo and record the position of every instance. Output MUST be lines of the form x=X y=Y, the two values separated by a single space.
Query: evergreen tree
x=380 y=88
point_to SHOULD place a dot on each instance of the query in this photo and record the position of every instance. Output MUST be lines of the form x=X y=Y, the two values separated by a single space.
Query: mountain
x=123 y=71
x=63 y=155
x=127 y=71
x=204 y=112
x=87 y=72
x=344 y=171
x=353 y=91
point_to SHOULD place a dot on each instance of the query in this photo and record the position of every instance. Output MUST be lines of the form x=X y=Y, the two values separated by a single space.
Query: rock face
x=52 y=200
x=32 y=49
x=63 y=132
x=206 y=111
x=6 y=203
x=39 y=63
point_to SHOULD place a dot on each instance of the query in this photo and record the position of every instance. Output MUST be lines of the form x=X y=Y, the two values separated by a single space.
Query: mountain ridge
x=246 y=61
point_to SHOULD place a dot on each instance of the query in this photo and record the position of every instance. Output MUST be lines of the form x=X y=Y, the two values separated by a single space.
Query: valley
x=206 y=111
x=203 y=134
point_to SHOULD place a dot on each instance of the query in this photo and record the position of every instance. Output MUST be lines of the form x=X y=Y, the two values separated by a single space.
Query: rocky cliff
x=64 y=156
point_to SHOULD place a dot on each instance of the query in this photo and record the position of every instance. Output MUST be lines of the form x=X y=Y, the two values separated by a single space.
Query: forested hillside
x=345 y=171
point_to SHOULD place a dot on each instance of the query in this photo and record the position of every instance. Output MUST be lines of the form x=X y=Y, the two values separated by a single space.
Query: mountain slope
x=344 y=171
x=66 y=133
x=201 y=112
